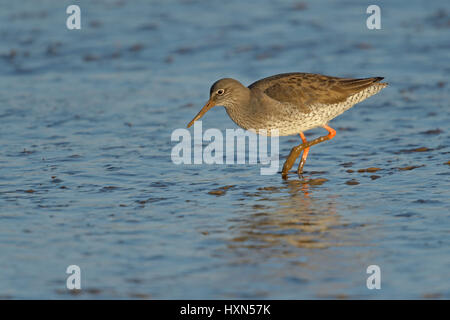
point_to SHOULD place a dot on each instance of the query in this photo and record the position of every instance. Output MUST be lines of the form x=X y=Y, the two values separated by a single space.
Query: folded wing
x=305 y=89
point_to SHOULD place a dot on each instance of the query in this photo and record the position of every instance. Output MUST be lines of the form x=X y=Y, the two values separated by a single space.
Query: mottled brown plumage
x=304 y=89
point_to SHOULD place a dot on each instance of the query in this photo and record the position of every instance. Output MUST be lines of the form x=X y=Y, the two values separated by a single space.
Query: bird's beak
x=207 y=106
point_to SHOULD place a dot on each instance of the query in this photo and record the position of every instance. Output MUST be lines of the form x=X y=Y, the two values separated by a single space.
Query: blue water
x=86 y=176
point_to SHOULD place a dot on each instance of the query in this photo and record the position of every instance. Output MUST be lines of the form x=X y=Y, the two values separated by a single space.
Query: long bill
x=207 y=106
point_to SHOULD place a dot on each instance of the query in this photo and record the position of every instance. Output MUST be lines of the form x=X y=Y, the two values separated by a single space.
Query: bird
x=290 y=103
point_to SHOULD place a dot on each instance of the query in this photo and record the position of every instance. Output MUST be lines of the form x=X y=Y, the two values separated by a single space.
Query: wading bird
x=291 y=103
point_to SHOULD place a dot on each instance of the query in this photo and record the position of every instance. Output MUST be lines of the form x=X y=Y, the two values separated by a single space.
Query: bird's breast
x=286 y=119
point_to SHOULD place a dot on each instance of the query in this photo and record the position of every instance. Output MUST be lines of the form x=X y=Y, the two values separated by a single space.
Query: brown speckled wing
x=305 y=89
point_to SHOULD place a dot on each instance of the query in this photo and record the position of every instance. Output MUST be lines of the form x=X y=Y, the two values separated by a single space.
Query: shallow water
x=86 y=176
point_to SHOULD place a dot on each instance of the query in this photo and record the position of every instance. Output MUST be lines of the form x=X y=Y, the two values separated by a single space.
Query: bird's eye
x=220 y=92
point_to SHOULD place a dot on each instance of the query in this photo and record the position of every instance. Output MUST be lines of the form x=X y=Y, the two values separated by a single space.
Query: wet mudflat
x=86 y=176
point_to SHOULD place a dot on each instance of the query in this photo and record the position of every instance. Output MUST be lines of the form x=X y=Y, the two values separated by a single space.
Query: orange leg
x=304 y=155
x=331 y=132
x=295 y=152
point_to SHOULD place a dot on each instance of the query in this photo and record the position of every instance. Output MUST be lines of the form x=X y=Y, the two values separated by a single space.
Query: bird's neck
x=240 y=108
x=240 y=99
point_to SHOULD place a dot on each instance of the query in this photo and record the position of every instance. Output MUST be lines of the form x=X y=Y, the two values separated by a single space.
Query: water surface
x=86 y=176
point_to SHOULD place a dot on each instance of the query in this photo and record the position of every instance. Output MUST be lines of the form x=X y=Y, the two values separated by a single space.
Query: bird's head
x=224 y=92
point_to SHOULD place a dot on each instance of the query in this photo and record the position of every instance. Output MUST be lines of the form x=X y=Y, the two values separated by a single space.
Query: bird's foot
x=300 y=168
x=293 y=155
x=302 y=162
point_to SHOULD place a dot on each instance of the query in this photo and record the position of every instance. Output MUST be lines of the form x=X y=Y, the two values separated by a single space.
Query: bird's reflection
x=293 y=238
x=290 y=216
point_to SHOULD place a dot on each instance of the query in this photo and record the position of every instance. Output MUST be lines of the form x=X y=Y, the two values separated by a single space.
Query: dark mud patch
x=74 y=292
x=93 y=291
x=220 y=191
x=108 y=189
x=407 y=168
x=406 y=215
x=91 y=57
x=432 y=132
x=78 y=292
x=136 y=295
x=439 y=19
x=316 y=182
x=160 y=184
x=187 y=105
x=217 y=192
x=421 y=149
x=441 y=84
x=184 y=50
x=349 y=129
x=432 y=295
x=363 y=46
x=136 y=47
x=318 y=172
x=426 y=201
x=25 y=151
x=300 y=6
x=352 y=182
x=268 y=189
x=150 y=200
x=347 y=164
x=371 y=169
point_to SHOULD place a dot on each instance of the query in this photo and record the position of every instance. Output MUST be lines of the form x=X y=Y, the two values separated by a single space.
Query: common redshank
x=291 y=103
